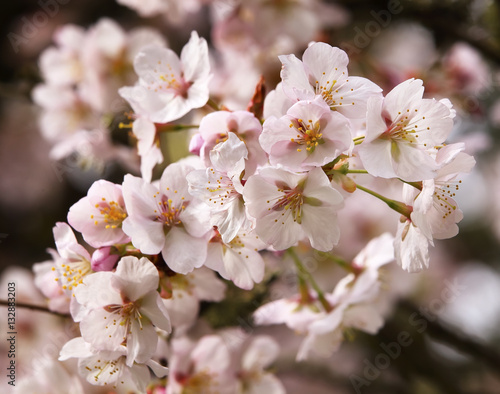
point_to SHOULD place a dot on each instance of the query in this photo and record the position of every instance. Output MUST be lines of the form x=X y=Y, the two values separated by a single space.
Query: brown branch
x=33 y=307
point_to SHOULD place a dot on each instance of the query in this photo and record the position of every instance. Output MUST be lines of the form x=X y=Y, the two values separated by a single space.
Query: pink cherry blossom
x=103 y=259
x=323 y=72
x=309 y=135
x=214 y=128
x=170 y=87
x=289 y=206
x=219 y=186
x=99 y=215
x=167 y=219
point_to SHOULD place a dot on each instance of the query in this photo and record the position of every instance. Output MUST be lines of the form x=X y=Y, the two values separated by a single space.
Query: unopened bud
x=103 y=259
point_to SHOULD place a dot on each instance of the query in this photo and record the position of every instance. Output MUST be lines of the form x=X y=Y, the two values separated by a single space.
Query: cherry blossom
x=258 y=355
x=73 y=262
x=182 y=295
x=237 y=260
x=296 y=206
x=435 y=213
x=170 y=87
x=109 y=367
x=167 y=219
x=122 y=307
x=99 y=215
x=309 y=135
x=402 y=130
x=323 y=72
x=214 y=128
x=201 y=366
x=220 y=187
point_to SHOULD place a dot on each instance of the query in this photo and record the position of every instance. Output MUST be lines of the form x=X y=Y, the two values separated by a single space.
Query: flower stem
x=303 y=275
x=356 y=172
x=212 y=104
x=177 y=127
x=417 y=185
x=340 y=261
x=398 y=206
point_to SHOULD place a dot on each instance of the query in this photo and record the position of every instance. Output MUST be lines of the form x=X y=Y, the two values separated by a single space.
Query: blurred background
x=450 y=312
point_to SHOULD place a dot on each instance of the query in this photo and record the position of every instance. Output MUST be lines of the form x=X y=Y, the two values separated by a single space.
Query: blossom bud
x=195 y=144
x=103 y=259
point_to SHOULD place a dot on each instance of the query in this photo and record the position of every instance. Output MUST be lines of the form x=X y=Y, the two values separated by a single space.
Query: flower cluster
x=261 y=180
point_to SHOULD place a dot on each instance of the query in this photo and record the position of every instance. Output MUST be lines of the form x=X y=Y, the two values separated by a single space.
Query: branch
x=33 y=307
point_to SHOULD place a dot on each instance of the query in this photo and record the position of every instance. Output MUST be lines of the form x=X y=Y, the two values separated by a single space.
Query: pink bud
x=196 y=143
x=103 y=259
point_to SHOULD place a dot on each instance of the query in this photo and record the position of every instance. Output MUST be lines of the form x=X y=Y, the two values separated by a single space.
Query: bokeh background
x=451 y=312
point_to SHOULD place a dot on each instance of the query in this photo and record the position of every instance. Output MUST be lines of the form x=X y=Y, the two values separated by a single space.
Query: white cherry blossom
x=109 y=367
x=170 y=87
x=288 y=207
x=219 y=186
x=122 y=307
x=402 y=131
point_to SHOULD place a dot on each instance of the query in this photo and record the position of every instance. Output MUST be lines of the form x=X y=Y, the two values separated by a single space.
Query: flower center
x=290 y=203
x=308 y=134
x=72 y=273
x=112 y=213
x=167 y=212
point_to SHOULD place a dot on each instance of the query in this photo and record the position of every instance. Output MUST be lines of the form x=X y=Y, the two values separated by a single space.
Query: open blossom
x=220 y=187
x=107 y=57
x=61 y=65
x=350 y=304
x=109 y=367
x=323 y=72
x=50 y=377
x=99 y=215
x=238 y=260
x=258 y=354
x=309 y=135
x=434 y=209
x=73 y=262
x=167 y=219
x=214 y=128
x=435 y=213
x=182 y=295
x=289 y=206
x=402 y=131
x=170 y=87
x=122 y=307
x=64 y=112
x=201 y=367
